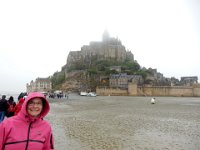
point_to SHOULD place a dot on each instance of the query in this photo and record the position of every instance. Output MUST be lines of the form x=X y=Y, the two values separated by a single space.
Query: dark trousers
x=2 y=115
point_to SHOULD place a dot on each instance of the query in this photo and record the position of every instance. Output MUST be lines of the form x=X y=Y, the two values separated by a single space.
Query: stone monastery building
x=107 y=49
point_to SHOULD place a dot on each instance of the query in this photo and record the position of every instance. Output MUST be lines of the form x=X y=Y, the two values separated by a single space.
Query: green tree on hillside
x=57 y=79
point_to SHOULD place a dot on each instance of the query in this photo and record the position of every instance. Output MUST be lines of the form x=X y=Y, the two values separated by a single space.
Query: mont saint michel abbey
x=119 y=83
x=108 y=48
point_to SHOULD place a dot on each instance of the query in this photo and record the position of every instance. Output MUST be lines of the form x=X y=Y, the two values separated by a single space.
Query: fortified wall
x=134 y=90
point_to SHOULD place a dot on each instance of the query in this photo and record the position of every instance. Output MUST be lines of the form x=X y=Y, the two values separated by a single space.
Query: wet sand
x=125 y=123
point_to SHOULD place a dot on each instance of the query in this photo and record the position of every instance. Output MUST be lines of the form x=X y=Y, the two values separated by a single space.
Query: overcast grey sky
x=36 y=36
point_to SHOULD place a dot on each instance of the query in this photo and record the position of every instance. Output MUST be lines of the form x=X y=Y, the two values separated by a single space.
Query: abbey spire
x=106 y=35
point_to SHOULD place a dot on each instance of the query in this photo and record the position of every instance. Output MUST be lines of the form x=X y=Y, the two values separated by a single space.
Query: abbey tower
x=108 y=49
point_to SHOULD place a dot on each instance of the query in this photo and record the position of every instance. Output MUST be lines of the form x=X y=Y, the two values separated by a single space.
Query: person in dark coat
x=3 y=108
x=11 y=109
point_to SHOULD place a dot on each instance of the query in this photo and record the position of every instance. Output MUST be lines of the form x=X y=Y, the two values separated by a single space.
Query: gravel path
x=125 y=123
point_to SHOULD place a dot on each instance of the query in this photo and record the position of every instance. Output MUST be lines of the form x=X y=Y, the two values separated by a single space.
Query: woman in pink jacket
x=28 y=130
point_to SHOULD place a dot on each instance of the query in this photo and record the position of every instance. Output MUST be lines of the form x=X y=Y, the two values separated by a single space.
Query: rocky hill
x=94 y=63
x=108 y=49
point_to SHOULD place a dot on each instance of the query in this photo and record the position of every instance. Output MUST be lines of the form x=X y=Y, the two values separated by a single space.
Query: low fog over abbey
x=109 y=48
x=112 y=49
x=106 y=63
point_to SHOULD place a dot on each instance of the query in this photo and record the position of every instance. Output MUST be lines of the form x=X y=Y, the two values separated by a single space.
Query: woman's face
x=34 y=107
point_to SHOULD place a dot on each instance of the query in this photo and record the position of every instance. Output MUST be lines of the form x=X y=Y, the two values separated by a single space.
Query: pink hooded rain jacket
x=23 y=132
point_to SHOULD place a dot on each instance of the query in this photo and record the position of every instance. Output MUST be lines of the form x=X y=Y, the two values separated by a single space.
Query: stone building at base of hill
x=39 y=85
x=122 y=80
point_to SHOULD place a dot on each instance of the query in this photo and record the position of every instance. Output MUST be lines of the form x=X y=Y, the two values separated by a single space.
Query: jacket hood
x=32 y=95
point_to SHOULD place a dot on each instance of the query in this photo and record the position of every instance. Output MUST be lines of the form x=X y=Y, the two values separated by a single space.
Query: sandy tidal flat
x=125 y=123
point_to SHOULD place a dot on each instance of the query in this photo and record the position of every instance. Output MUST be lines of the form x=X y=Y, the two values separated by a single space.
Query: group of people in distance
x=25 y=127
x=9 y=107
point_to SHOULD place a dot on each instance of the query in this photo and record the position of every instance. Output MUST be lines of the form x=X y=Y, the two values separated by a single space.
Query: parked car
x=83 y=93
x=92 y=94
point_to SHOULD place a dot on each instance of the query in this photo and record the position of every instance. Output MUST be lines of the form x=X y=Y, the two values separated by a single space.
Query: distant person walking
x=11 y=108
x=28 y=130
x=3 y=108
x=153 y=101
x=67 y=95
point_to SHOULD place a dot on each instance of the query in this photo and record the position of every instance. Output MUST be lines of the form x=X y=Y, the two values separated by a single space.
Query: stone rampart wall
x=165 y=91
x=111 y=91
x=134 y=90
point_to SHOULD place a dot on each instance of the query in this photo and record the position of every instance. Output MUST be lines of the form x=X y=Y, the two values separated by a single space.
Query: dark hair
x=21 y=95
x=11 y=98
x=43 y=102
